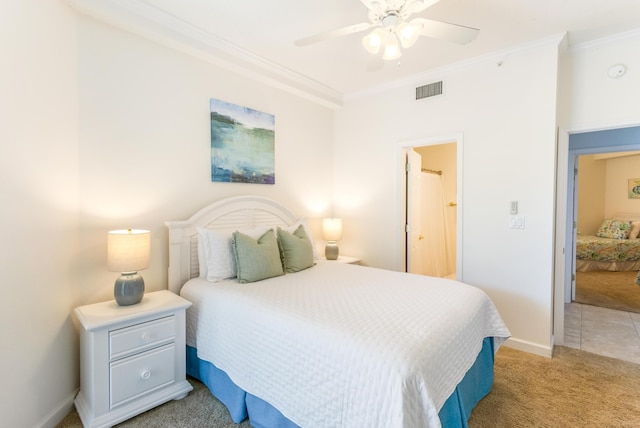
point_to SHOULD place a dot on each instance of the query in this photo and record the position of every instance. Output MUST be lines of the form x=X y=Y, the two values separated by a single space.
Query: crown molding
x=603 y=41
x=152 y=23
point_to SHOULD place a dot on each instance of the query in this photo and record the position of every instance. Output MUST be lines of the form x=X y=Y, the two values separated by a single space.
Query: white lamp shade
x=128 y=250
x=373 y=41
x=332 y=229
x=391 y=47
x=408 y=34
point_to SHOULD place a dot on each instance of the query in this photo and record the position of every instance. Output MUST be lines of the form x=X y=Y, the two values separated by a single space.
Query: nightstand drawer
x=140 y=337
x=140 y=374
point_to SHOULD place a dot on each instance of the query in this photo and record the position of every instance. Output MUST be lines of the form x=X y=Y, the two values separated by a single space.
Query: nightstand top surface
x=102 y=314
x=344 y=259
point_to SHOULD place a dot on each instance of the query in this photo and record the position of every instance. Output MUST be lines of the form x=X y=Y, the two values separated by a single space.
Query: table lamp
x=128 y=252
x=331 y=232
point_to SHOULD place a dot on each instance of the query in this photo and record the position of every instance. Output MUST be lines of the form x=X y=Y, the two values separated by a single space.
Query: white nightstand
x=132 y=358
x=345 y=259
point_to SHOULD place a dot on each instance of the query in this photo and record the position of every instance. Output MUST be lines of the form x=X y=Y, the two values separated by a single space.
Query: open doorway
x=431 y=210
x=437 y=165
x=607 y=231
x=572 y=144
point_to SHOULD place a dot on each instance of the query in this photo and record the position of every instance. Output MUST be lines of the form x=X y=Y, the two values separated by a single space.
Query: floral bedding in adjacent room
x=590 y=247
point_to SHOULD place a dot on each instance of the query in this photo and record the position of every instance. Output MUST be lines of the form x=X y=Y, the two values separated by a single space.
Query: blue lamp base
x=128 y=289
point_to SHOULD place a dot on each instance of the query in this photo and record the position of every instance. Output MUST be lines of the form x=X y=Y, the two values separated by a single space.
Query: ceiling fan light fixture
x=373 y=41
x=391 y=48
x=392 y=28
x=408 y=34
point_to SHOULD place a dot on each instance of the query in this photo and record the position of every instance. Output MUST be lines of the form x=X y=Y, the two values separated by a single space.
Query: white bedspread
x=341 y=345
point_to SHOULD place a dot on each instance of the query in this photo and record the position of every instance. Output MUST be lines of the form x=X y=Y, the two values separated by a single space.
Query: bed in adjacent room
x=614 y=247
x=288 y=339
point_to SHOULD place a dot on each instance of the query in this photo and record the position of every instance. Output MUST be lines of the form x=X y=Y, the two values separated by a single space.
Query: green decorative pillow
x=296 y=250
x=256 y=259
x=616 y=229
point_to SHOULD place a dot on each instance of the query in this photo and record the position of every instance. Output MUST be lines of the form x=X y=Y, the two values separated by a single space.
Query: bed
x=325 y=344
x=614 y=247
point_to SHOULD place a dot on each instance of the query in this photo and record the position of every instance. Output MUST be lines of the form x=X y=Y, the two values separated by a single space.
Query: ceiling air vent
x=430 y=90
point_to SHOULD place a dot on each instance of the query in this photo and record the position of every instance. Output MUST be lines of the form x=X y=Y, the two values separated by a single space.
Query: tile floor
x=602 y=331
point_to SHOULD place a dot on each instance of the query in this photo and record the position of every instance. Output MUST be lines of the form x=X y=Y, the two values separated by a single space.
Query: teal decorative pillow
x=256 y=259
x=616 y=229
x=296 y=250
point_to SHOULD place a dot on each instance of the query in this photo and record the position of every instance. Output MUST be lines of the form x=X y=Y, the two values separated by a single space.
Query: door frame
x=565 y=208
x=401 y=204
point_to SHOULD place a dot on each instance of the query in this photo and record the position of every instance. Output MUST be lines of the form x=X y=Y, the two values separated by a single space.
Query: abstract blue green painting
x=242 y=144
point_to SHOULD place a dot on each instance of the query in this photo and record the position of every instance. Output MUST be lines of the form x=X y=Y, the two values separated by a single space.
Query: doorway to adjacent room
x=430 y=211
x=571 y=146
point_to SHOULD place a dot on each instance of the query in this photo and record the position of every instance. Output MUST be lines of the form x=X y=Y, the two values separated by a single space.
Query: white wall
x=507 y=115
x=145 y=146
x=596 y=100
x=39 y=191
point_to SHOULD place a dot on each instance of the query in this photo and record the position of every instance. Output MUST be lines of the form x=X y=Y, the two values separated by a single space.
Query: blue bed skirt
x=454 y=413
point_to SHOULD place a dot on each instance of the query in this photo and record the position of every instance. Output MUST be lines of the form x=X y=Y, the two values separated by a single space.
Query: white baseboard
x=55 y=416
x=532 y=348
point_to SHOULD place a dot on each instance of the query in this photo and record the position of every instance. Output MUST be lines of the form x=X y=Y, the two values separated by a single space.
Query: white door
x=415 y=239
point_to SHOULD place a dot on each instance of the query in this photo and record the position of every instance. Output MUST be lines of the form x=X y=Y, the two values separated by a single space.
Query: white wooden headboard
x=239 y=212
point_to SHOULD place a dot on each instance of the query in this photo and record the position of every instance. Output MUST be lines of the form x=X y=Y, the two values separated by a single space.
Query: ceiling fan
x=392 y=28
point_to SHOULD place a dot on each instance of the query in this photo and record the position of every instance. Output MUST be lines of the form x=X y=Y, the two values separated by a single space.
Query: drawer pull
x=146 y=374
x=140 y=337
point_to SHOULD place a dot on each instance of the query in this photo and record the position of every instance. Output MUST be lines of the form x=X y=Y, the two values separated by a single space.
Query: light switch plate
x=516 y=222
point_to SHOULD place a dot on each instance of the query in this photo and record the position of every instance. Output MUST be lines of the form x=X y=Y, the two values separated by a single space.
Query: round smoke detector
x=616 y=71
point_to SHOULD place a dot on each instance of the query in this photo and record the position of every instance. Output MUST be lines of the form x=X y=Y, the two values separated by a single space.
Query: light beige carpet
x=199 y=409
x=613 y=290
x=572 y=389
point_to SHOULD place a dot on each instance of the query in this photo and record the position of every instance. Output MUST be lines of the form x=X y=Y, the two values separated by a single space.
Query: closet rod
x=431 y=171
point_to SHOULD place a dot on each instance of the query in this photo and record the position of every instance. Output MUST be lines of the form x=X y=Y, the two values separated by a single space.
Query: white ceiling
x=263 y=32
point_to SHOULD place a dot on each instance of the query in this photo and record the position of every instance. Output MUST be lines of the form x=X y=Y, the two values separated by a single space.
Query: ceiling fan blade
x=445 y=31
x=334 y=33
x=372 y=4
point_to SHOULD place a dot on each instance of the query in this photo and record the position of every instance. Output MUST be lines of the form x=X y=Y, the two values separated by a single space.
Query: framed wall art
x=242 y=144
x=634 y=188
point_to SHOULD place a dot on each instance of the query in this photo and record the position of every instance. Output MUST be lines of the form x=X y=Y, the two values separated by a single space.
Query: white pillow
x=215 y=252
x=307 y=229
